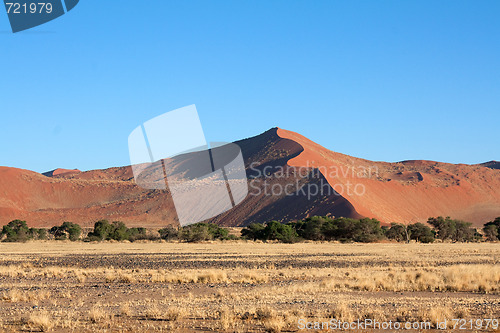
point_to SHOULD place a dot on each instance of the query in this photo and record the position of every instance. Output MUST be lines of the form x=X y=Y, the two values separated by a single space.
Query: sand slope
x=406 y=191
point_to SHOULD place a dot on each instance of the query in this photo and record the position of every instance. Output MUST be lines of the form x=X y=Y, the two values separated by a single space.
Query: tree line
x=324 y=228
x=18 y=231
x=317 y=228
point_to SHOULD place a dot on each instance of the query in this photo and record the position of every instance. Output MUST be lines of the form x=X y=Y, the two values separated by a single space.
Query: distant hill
x=60 y=172
x=491 y=164
x=318 y=182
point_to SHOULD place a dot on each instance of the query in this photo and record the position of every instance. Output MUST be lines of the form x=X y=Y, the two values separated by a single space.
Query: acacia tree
x=454 y=230
x=492 y=230
x=420 y=232
x=398 y=232
x=16 y=231
x=66 y=230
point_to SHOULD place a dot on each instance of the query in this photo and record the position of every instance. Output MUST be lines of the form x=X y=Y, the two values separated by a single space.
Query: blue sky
x=382 y=80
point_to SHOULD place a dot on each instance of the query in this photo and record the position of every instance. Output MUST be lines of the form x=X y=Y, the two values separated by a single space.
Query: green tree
x=368 y=230
x=118 y=231
x=253 y=231
x=421 y=233
x=101 y=231
x=203 y=232
x=275 y=230
x=169 y=233
x=312 y=228
x=16 y=231
x=134 y=234
x=454 y=230
x=42 y=233
x=492 y=230
x=398 y=232
x=66 y=230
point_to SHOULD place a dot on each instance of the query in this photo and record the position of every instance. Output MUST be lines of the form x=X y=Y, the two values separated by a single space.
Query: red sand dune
x=59 y=172
x=406 y=191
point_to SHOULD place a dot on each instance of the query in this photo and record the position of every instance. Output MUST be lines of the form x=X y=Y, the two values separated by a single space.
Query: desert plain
x=239 y=286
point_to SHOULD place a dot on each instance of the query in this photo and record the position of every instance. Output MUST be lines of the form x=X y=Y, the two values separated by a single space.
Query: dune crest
x=407 y=191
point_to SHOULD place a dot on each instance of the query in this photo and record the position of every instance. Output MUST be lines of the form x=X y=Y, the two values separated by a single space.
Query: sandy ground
x=243 y=286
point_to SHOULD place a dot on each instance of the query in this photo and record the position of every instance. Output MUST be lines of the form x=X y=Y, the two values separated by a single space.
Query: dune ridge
x=407 y=191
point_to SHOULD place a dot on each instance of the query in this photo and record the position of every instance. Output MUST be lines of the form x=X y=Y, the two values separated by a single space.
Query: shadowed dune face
x=289 y=177
x=279 y=191
x=491 y=164
x=60 y=172
x=276 y=191
x=408 y=191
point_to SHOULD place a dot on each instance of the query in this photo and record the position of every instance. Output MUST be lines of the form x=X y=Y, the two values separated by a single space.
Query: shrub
x=312 y=228
x=16 y=231
x=118 y=231
x=137 y=234
x=67 y=230
x=492 y=230
x=253 y=231
x=102 y=229
x=454 y=230
x=273 y=230
x=317 y=228
x=367 y=230
x=42 y=233
x=169 y=233
x=421 y=233
x=203 y=232
x=398 y=232
x=347 y=229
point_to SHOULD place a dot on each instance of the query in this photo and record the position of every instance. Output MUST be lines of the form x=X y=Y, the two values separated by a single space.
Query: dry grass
x=472 y=278
x=98 y=314
x=39 y=322
x=153 y=312
x=125 y=310
x=15 y=295
x=227 y=318
x=241 y=287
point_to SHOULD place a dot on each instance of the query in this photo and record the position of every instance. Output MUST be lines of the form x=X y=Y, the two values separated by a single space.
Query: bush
x=16 y=231
x=317 y=228
x=417 y=231
x=42 y=233
x=67 y=230
x=102 y=230
x=421 y=233
x=253 y=231
x=312 y=228
x=203 y=232
x=275 y=230
x=492 y=230
x=118 y=231
x=454 y=230
x=137 y=234
x=367 y=230
x=398 y=232
x=169 y=233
